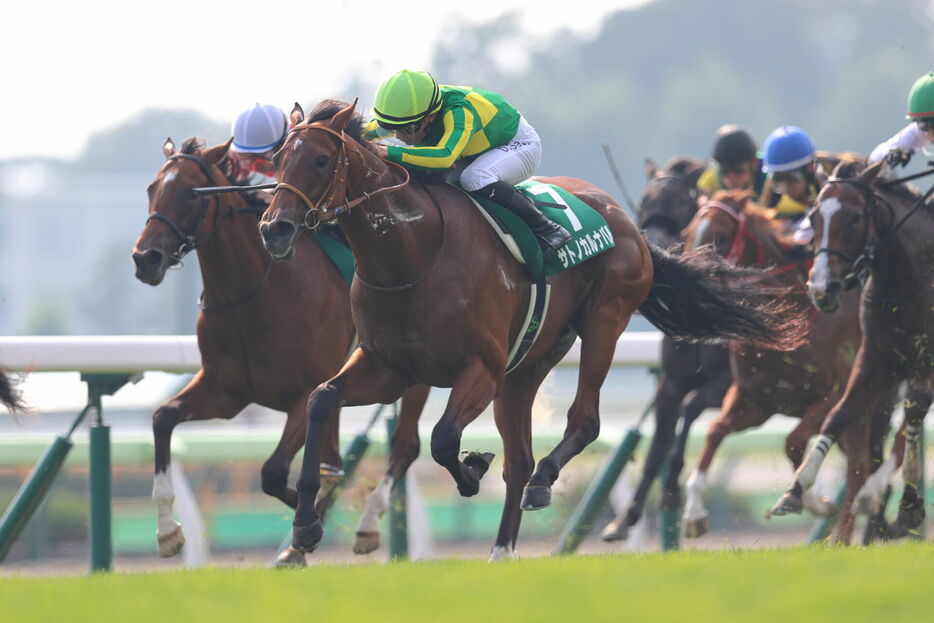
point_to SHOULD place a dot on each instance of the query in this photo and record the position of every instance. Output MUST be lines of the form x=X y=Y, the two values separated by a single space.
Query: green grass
x=811 y=584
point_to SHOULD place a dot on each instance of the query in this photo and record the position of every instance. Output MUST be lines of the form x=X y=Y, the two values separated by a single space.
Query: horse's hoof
x=365 y=542
x=911 y=514
x=535 y=497
x=477 y=462
x=172 y=543
x=789 y=504
x=306 y=538
x=289 y=558
x=616 y=530
x=696 y=528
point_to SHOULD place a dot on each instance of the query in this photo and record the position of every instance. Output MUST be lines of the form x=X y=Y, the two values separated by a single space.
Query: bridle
x=859 y=264
x=320 y=211
x=667 y=221
x=742 y=235
x=189 y=240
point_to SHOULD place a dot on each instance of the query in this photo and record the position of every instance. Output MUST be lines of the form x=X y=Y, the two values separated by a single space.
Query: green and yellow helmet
x=921 y=98
x=405 y=98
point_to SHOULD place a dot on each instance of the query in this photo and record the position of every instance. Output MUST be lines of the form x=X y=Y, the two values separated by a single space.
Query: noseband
x=742 y=235
x=320 y=211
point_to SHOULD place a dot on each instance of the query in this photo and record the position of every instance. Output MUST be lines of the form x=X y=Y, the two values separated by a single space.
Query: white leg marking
x=376 y=504
x=821 y=272
x=502 y=553
x=911 y=469
x=694 y=506
x=163 y=496
x=870 y=494
x=807 y=473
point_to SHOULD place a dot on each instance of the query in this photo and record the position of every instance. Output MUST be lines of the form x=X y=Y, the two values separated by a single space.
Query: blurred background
x=89 y=102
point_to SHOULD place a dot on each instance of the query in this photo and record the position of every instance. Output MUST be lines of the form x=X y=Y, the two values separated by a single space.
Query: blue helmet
x=787 y=148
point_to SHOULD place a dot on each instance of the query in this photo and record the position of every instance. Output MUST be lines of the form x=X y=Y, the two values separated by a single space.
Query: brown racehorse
x=437 y=299
x=864 y=227
x=804 y=383
x=268 y=332
x=692 y=377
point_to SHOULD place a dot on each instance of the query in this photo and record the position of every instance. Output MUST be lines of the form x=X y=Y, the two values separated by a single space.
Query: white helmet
x=259 y=129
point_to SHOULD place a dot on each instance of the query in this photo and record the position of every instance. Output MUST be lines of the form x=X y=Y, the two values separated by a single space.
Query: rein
x=319 y=211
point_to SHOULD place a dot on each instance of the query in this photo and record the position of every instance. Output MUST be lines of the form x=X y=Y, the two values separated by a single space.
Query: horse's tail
x=9 y=394
x=699 y=297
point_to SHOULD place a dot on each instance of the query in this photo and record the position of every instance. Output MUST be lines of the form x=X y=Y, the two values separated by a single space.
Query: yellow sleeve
x=709 y=181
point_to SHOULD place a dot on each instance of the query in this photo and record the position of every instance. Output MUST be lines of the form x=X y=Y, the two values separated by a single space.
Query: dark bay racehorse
x=804 y=383
x=692 y=377
x=268 y=332
x=864 y=227
x=437 y=299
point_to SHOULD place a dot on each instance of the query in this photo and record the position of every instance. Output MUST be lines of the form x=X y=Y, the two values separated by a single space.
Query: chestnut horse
x=692 y=377
x=437 y=300
x=268 y=332
x=804 y=383
x=882 y=233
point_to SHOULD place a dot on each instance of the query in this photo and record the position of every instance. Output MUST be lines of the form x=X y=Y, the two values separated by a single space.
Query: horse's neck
x=904 y=262
x=232 y=257
x=775 y=256
x=395 y=237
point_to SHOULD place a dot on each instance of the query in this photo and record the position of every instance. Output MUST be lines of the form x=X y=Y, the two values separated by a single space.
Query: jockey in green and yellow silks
x=486 y=143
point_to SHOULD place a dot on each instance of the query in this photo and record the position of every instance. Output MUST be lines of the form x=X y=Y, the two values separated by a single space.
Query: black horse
x=692 y=377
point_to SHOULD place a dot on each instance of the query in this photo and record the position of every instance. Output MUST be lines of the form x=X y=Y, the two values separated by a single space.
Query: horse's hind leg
x=403 y=450
x=598 y=344
x=472 y=392
x=513 y=414
x=199 y=400
x=911 y=506
x=668 y=398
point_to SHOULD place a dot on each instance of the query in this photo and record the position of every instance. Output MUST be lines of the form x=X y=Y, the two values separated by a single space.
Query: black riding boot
x=551 y=236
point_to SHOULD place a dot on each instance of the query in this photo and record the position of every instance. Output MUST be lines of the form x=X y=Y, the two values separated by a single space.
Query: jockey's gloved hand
x=899 y=157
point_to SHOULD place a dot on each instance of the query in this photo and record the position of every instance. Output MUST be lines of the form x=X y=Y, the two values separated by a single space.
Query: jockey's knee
x=475 y=178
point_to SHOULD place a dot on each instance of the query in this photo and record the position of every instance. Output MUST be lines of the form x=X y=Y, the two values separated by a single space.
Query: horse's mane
x=682 y=165
x=330 y=107
x=847 y=170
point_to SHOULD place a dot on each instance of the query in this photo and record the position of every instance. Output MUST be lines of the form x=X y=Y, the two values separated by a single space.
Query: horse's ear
x=868 y=176
x=694 y=176
x=214 y=155
x=340 y=120
x=650 y=169
x=297 y=115
x=168 y=147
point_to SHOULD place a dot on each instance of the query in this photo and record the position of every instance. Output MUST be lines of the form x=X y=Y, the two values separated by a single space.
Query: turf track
x=892 y=583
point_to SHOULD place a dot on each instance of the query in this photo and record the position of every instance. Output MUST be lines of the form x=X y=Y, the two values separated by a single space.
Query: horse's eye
x=321 y=161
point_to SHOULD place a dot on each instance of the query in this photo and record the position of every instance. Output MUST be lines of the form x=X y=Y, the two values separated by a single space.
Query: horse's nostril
x=148 y=258
x=834 y=287
x=277 y=230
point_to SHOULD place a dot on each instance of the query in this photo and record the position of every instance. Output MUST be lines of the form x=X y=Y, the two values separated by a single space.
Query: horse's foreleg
x=403 y=451
x=513 y=414
x=735 y=415
x=362 y=381
x=199 y=400
x=472 y=392
x=796 y=443
x=855 y=444
x=878 y=486
x=911 y=506
x=864 y=390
